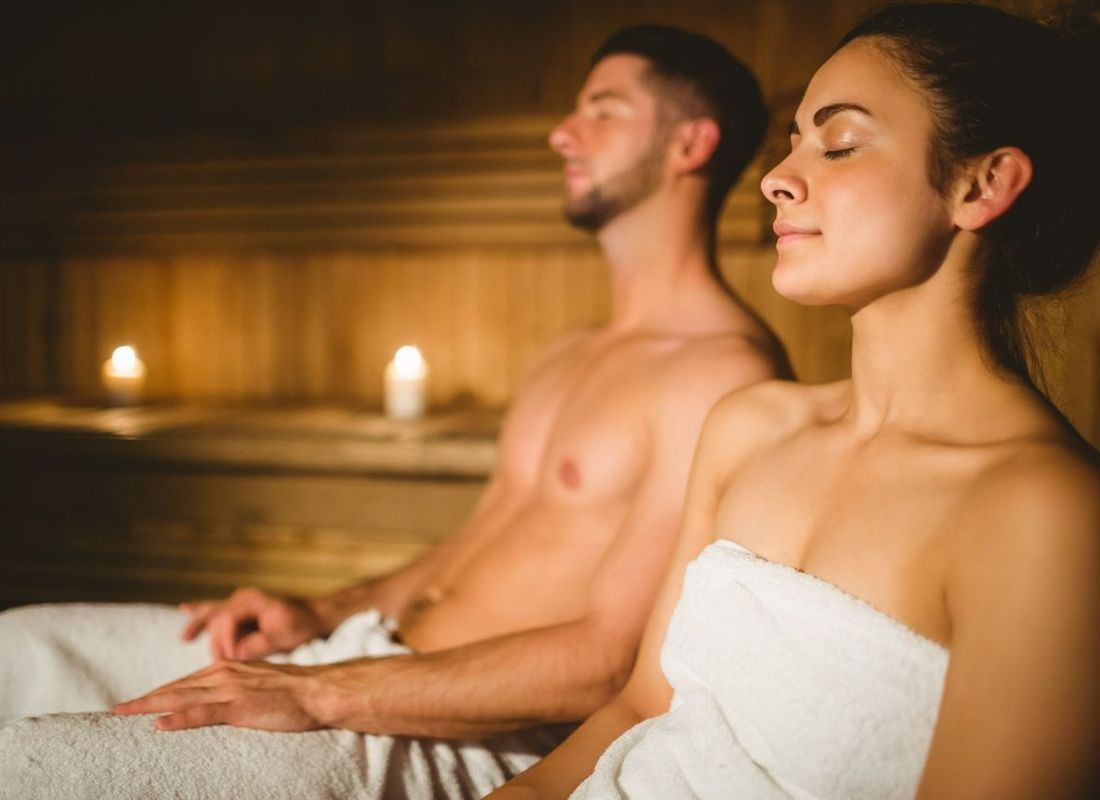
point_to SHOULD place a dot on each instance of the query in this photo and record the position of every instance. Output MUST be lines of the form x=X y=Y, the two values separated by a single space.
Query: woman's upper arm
x=729 y=435
x=1022 y=694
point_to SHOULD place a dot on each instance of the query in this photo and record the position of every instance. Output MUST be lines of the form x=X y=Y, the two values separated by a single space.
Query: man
x=531 y=613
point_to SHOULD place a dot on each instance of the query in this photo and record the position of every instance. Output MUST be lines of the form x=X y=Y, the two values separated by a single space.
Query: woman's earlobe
x=992 y=187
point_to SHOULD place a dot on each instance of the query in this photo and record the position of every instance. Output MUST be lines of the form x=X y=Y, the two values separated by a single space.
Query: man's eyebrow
x=825 y=112
x=605 y=94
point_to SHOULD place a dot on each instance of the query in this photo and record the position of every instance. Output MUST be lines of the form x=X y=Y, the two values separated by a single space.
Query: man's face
x=613 y=143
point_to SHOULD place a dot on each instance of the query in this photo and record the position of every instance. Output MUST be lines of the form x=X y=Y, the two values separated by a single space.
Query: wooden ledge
x=265 y=439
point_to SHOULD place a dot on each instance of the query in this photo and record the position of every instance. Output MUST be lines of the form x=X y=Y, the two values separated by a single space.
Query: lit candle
x=123 y=376
x=406 y=384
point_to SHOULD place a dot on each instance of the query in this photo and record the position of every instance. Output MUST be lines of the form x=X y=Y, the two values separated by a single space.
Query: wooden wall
x=270 y=220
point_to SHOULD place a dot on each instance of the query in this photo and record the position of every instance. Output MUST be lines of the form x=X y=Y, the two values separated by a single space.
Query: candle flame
x=408 y=362
x=125 y=361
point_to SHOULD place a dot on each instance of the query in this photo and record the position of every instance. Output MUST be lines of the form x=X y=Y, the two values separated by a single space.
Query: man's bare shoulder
x=733 y=359
x=561 y=348
x=708 y=367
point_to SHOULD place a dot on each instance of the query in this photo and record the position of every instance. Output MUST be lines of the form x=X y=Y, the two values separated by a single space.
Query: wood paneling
x=169 y=537
x=346 y=182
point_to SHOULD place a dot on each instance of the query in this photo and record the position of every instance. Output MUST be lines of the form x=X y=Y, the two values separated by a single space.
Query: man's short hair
x=701 y=79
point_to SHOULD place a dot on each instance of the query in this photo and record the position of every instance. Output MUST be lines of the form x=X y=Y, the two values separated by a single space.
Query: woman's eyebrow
x=825 y=112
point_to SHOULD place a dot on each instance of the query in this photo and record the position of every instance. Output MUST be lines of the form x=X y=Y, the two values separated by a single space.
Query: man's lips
x=786 y=232
x=573 y=173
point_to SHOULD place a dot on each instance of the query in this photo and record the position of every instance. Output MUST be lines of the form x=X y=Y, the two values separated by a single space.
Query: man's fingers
x=166 y=699
x=195 y=681
x=223 y=635
x=194 y=717
x=200 y=613
x=254 y=645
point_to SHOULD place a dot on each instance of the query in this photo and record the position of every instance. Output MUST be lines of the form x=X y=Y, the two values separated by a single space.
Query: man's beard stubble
x=619 y=193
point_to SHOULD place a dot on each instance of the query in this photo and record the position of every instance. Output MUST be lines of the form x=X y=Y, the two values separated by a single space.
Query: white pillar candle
x=123 y=376
x=405 y=384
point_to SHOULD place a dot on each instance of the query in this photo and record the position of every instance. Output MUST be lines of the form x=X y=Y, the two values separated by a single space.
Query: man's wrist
x=332 y=609
x=338 y=695
x=328 y=611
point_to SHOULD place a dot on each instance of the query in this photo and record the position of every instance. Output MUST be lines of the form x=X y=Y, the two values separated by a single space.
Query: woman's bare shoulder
x=762 y=415
x=780 y=407
x=1038 y=507
x=1052 y=476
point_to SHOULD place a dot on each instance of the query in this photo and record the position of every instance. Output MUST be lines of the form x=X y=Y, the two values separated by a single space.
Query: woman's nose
x=782 y=186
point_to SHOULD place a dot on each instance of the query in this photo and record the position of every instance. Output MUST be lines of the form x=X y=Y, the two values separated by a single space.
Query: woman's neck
x=919 y=366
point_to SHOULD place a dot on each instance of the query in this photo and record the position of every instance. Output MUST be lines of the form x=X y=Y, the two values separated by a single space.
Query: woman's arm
x=1021 y=704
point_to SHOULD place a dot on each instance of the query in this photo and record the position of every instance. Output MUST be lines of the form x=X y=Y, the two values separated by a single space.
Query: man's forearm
x=389 y=593
x=334 y=608
x=556 y=674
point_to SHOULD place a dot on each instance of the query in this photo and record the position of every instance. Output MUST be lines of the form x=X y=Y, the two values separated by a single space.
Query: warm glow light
x=405 y=384
x=125 y=361
x=408 y=362
x=123 y=376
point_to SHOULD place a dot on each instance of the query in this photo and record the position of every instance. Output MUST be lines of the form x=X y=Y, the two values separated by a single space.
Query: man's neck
x=662 y=267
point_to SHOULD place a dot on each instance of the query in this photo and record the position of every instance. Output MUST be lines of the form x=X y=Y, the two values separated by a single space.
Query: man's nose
x=563 y=137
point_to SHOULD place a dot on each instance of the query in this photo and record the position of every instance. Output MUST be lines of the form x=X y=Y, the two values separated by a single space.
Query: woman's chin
x=795 y=288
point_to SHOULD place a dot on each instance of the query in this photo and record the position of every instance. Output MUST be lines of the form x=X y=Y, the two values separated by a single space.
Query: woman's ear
x=990 y=186
x=693 y=143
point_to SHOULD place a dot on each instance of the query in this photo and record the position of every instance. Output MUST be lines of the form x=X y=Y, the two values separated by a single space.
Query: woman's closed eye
x=833 y=155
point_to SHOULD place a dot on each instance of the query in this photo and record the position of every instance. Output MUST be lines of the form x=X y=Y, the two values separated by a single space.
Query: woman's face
x=856 y=215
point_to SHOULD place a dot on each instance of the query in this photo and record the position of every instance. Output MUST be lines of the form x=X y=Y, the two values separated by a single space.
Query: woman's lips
x=786 y=233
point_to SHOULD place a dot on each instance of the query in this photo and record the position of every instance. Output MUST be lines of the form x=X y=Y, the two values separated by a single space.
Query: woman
x=897 y=588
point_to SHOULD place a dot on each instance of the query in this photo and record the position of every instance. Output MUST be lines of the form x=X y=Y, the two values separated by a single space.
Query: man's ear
x=693 y=143
x=990 y=186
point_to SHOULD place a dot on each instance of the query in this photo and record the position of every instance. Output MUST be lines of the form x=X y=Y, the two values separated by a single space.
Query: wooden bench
x=167 y=502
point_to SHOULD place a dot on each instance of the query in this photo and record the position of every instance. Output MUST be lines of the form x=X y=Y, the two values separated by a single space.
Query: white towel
x=87 y=657
x=784 y=686
x=70 y=756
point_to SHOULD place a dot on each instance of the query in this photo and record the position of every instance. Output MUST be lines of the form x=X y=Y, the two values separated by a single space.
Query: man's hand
x=252 y=624
x=247 y=694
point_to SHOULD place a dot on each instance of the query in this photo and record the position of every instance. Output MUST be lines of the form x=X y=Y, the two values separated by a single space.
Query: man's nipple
x=569 y=474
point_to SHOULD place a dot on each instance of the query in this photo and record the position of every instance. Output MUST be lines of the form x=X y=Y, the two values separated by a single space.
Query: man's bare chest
x=580 y=440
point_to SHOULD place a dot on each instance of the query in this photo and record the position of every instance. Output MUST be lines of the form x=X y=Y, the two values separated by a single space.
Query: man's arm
x=392 y=593
x=251 y=623
x=557 y=673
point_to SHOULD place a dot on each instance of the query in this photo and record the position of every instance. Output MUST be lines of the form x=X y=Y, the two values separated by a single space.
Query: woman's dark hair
x=698 y=74
x=995 y=80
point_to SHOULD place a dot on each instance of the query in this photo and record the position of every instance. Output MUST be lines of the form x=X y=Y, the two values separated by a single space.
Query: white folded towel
x=89 y=656
x=784 y=686
x=92 y=656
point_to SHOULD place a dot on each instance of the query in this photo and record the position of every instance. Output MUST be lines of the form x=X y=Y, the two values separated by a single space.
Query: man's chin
x=582 y=222
x=588 y=217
